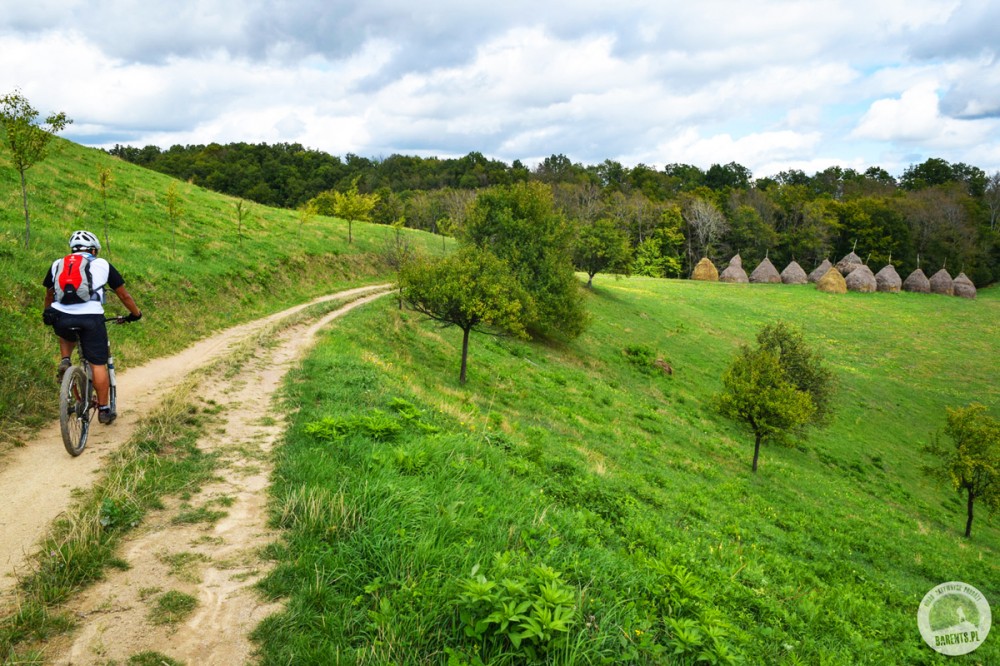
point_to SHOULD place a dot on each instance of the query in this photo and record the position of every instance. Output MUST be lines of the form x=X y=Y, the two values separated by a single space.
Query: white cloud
x=915 y=118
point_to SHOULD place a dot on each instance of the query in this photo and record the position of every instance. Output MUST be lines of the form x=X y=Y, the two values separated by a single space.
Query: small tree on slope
x=470 y=289
x=972 y=466
x=777 y=388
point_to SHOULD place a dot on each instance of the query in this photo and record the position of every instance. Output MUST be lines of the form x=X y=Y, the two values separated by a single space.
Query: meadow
x=569 y=504
x=576 y=504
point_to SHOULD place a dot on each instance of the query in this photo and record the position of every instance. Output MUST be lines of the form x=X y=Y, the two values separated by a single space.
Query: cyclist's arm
x=50 y=297
x=127 y=301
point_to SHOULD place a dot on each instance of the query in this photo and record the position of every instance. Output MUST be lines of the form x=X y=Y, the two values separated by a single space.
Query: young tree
x=599 y=247
x=471 y=289
x=173 y=201
x=398 y=252
x=27 y=140
x=972 y=466
x=305 y=213
x=242 y=209
x=105 y=178
x=519 y=224
x=352 y=205
x=777 y=388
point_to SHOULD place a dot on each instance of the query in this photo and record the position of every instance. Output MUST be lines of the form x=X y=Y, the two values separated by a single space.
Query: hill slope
x=416 y=507
x=190 y=277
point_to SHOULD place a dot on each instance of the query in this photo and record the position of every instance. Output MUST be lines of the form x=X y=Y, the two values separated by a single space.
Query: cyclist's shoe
x=63 y=367
x=106 y=416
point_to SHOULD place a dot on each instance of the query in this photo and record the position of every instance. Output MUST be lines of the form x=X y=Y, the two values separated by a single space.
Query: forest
x=936 y=214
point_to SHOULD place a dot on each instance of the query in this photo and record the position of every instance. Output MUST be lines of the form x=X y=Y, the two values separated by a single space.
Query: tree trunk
x=27 y=217
x=350 y=232
x=590 y=281
x=465 y=353
x=968 y=523
x=756 y=452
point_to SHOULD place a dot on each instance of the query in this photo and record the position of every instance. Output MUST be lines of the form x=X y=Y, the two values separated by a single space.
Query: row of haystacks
x=849 y=274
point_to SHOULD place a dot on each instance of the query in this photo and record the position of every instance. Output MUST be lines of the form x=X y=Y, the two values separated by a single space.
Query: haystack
x=794 y=274
x=941 y=283
x=765 y=273
x=888 y=280
x=832 y=283
x=849 y=263
x=820 y=270
x=705 y=270
x=963 y=286
x=862 y=279
x=734 y=271
x=917 y=282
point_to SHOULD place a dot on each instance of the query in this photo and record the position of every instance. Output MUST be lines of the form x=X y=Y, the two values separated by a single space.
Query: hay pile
x=849 y=263
x=706 y=271
x=765 y=273
x=888 y=280
x=941 y=283
x=963 y=286
x=917 y=282
x=734 y=271
x=862 y=279
x=832 y=283
x=820 y=271
x=794 y=274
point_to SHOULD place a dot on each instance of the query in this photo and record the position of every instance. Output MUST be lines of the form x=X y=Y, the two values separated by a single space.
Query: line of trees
x=935 y=214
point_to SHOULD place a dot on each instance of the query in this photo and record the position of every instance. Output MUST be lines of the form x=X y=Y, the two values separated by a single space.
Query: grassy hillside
x=573 y=505
x=189 y=279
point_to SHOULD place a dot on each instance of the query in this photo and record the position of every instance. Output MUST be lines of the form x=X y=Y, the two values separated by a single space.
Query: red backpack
x=73 y=282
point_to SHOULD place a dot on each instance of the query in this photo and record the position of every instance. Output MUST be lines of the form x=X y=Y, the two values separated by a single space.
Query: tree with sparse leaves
x=27 y=140
x=777 y=388
x=471 y=289
x=972 y=465
x=354 y=206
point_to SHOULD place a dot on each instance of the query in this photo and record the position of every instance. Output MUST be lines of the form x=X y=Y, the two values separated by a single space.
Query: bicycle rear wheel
x=75 y=408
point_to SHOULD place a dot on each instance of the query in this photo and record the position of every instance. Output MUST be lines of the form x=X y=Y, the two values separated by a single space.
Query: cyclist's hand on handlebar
x=129 y=318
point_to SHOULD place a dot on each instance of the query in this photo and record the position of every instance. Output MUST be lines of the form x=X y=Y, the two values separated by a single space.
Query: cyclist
x=88 y=317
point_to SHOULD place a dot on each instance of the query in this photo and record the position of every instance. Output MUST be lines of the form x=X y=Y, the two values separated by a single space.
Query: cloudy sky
x=773 y=85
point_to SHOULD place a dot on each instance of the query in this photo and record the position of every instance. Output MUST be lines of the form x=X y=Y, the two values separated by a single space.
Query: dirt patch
x=206 y=547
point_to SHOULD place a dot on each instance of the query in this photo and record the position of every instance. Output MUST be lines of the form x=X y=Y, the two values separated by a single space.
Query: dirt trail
x=38 y=481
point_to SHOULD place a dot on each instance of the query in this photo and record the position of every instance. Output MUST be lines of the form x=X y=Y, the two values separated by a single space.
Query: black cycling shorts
x=90 y=331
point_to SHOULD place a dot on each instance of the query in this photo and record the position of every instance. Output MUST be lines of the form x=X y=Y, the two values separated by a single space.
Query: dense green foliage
x=520 y=225
x=936 y=214
x=427 y=521
x=599 y=247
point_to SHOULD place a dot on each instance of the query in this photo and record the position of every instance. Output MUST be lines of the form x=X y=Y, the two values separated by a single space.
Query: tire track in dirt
x=38 y=479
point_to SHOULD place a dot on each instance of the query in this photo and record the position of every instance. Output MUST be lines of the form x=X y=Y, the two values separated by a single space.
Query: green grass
x=189 y=279
x=172 y=607
x=419 y=515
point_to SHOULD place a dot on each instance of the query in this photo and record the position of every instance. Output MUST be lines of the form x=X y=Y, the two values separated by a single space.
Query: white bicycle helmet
x=84 y=240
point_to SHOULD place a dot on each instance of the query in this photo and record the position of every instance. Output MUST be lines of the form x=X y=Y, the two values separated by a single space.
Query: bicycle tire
x=74 y=410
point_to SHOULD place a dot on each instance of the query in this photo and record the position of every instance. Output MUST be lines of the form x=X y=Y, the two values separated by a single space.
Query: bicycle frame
x=78 y=399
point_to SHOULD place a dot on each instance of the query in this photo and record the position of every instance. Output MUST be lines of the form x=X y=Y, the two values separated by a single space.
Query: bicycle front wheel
x=74 y=410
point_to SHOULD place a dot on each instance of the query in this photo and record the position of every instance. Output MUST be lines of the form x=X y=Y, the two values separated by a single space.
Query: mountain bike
x=78 y=398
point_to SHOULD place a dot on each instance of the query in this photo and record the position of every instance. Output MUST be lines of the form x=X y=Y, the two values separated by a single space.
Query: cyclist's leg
x=94 y=347
x=102 y=383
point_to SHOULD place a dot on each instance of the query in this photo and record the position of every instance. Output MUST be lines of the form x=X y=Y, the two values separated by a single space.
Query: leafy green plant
x=530 y=613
